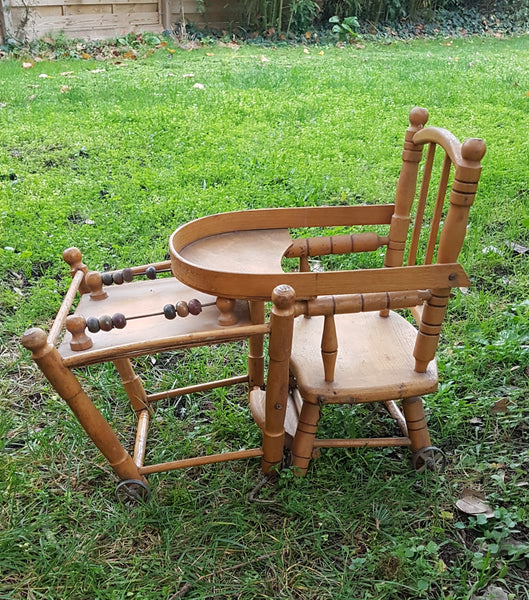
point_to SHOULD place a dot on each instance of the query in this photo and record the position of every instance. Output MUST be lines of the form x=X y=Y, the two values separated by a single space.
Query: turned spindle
x=226 y=308
x=76 y=325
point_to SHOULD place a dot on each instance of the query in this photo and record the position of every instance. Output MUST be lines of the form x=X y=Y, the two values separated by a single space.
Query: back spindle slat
x=421 y=204
x=438 y=211
x=329 y=347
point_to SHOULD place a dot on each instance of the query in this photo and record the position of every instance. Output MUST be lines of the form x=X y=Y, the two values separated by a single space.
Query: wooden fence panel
x=99 y=19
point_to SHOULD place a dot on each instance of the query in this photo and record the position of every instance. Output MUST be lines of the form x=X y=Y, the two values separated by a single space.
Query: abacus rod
x=186 y=340
x=157 y=314
x=161 y=267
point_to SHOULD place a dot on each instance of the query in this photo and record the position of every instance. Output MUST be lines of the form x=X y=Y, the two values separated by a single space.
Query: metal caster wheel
x=132 y=489
x=429 y=458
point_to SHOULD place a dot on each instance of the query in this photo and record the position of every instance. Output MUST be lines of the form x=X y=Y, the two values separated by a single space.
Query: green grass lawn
x=111 y=156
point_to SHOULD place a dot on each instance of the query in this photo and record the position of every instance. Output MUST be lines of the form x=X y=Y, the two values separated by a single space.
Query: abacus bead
x=195 y=306
x=92 y=324
x=117 y=277
x=128 y=274
x=150 y=272
x=119 y=321
x=107 y=278
x=105 y=322
x=181 y=308
x=169 y=311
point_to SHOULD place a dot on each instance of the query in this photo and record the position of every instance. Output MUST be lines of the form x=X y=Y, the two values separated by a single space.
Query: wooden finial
x=95 y=284
x=473 y=149
x=74 y=258
x=35 y=339
x=418 y=117
x=76 y=325
x=283 y=296
x=226 y=308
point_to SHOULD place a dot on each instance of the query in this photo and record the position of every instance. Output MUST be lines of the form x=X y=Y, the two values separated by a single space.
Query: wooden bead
x=182 y=308
x=195 y=306
x=105 y=322
x=107 y=278
x=119 y=321
x=169 y=311
x=150 y=272
x=117 y=277
x=92 y=324
x=128 y=274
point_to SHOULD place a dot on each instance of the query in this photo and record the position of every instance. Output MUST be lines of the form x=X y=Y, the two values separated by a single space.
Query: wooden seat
x=374 y=358
x=352 y=347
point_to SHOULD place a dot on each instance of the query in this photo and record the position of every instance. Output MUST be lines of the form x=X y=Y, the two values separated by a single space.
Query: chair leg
x=256 y=348
x=68 y=387
x=132 y=384
x=416 y=422
x=279 y=348
x=303 y=443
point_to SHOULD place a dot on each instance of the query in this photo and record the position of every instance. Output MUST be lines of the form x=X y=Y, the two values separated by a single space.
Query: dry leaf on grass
x=500 y=406
x=472 y=503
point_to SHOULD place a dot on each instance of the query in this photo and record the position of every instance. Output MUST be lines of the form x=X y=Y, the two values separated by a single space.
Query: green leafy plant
x=346 y=29
x=303 y=14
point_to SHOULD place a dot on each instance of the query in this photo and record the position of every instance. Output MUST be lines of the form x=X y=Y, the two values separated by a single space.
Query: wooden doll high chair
x=226 y=266
x=351 y=347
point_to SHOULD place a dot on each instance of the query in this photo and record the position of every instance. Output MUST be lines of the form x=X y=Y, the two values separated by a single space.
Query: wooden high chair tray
x=238 y=254
x=153 y=333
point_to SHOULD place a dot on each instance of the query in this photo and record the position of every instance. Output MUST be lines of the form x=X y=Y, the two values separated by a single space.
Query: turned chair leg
x=303 y=444
x=68 y=387
x=416 y=421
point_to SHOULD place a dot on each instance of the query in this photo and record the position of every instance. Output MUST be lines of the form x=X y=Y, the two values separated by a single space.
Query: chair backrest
x=458 y=178
x=425 y=291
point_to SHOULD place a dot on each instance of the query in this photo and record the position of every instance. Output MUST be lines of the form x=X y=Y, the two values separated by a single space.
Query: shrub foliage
x=299 y=15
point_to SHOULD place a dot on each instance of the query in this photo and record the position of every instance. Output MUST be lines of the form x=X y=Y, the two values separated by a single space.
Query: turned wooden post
x=94 y=282
x=462 y=196
x=329 y=347
x=280 y=346
x=74 y=257
x=405 y=194
x=303 y=444
x=132 y=384
x=256 y=348
x=416 y=423
x=68 y=387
